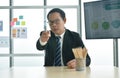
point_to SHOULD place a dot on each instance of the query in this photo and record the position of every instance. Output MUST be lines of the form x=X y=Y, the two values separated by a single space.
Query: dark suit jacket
x=71 y=40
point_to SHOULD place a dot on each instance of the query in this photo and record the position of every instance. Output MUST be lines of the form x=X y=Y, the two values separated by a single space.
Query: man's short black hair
x=61 y=12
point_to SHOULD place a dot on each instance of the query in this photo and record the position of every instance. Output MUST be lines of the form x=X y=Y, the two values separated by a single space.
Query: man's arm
x=39 y=46
x=88 y=60
x=42 y=41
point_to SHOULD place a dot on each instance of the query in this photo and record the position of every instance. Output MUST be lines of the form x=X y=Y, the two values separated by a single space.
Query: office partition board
x=102 y=19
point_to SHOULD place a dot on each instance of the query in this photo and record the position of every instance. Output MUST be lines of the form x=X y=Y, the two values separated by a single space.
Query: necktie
x=57 y=61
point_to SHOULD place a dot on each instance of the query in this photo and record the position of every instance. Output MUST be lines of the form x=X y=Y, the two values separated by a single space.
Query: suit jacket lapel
x=66 y=37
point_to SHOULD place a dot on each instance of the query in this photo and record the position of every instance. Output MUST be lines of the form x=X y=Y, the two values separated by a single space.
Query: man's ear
x=64 y=20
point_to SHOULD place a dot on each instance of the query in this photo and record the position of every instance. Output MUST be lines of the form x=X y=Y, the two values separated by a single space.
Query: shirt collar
x=62 y=35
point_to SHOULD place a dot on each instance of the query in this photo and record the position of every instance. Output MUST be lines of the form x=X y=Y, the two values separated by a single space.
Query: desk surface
x=60 y=72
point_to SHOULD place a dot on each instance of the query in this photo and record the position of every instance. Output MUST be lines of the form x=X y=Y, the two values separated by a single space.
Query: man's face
x=56 y=23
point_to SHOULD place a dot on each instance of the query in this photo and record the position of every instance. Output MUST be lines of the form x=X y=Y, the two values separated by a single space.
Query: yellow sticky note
x=22 y=23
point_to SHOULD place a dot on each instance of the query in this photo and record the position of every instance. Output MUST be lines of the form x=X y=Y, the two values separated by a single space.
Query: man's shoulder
x=72 y=32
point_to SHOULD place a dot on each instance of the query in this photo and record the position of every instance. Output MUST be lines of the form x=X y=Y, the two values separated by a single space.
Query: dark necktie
x=57 y=61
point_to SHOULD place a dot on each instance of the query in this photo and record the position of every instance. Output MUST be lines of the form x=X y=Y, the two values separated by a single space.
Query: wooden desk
x=60 y=72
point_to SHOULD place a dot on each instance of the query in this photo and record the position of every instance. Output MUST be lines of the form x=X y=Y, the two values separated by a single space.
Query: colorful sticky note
x=18 y=23
x=20 y=17
x=22 y=23
x=12 y=23
x=15 y=19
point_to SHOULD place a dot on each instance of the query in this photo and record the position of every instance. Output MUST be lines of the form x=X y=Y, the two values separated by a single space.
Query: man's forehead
x=54 y=14
x=52 y=18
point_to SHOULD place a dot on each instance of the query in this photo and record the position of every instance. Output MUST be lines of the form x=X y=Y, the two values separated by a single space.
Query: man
x=69 y=39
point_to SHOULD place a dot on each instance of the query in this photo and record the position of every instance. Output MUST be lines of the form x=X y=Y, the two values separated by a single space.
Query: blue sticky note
x=20 y=17
x=18 y=23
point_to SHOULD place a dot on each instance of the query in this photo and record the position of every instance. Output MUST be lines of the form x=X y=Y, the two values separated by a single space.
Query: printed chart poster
x=19 y=32
x=4 y=41
x=1 y=25
x=102 y=19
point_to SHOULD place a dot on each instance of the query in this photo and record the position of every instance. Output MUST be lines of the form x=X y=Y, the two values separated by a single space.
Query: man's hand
x=71 y=64
x=45 y=36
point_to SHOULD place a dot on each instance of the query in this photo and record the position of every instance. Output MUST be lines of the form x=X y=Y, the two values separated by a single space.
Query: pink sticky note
x=12 y=23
